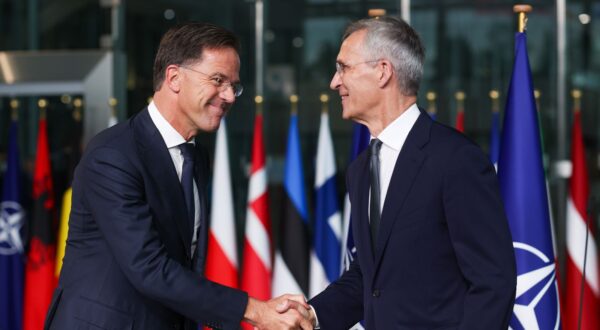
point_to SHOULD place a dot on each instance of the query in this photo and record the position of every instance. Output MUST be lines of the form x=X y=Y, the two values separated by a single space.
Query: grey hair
x=394 y=40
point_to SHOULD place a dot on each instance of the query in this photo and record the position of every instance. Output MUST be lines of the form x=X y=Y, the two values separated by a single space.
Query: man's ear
x=173 y=78
x=386 y=72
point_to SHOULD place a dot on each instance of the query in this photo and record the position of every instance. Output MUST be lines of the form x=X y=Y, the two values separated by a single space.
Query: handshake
x=284 y=312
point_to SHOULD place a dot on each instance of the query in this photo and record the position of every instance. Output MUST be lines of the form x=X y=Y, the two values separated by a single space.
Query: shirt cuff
x=314 y=311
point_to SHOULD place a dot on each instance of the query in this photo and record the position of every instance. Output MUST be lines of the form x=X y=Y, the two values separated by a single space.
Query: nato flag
x=11 y=244
x=523 y=188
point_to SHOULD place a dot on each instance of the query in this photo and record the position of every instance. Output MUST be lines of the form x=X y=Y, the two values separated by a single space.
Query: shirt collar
x=171 y=137
x=396 y=132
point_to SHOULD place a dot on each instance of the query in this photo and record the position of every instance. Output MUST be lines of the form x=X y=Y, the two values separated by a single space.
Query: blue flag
x=325 y=263
x=360 y=141
x=12 y=218
x=523 y=188
x=495 y=138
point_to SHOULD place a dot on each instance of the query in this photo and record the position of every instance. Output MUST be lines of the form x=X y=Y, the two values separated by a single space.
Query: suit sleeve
x=481 y=239
x=340 y=305
x=114 y=192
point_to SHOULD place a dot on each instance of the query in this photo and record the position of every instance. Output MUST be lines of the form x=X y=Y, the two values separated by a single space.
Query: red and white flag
x=257 y=266
x=579 y=225
x=221 y=259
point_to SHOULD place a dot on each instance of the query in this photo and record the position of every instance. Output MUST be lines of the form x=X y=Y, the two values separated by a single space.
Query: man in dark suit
x=137 y=231
x=434 y=248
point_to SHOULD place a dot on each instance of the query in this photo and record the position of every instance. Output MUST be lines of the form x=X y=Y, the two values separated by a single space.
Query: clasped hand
x=284 y=312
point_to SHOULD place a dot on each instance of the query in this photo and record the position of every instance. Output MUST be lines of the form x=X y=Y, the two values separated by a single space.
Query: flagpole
x=258 y=99
x=14 y=105
x=522 y=10
x=494 y=149
x=42 y=104
x=576 y=94
x=324 y=103
x=431 y=108
x=259 y=45
x=294 y=104
x=112 y=102
x=78 y=104
x=460 y=101
x=495 y=96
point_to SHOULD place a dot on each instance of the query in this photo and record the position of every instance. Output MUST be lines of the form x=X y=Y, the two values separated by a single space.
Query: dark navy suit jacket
x=444 y=256
x=128 y=261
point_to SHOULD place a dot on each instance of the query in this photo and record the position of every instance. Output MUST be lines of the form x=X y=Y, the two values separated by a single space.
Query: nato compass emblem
x=11 y=221
x=536 y=302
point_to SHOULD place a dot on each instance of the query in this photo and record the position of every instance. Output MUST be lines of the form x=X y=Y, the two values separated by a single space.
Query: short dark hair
x=186 y=42
x=396 y=41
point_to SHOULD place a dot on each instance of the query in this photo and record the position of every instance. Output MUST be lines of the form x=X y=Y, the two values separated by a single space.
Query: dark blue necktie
x=374 y=213
x=187 y=179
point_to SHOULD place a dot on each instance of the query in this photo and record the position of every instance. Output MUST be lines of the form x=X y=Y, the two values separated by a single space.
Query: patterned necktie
x=374 y=213
x=187 y=178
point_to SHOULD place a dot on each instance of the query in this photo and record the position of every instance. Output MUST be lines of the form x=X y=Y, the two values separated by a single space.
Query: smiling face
x=357 y=84
x=202 y=104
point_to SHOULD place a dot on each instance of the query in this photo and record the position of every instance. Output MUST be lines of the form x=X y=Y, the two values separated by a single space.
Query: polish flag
x=221 y=259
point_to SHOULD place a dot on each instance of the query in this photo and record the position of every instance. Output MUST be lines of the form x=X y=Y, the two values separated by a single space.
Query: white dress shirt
x=393 y=137
x=173 y=139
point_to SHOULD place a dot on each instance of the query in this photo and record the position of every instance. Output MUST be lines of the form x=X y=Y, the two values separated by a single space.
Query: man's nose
x=227 y=94
x=336 y=81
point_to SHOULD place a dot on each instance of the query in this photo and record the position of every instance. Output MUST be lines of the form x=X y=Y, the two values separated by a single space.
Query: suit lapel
x=406 y=169
x=155 y=154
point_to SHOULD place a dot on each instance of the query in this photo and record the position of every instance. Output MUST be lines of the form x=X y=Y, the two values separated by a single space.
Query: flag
x=325 y=259
x=73 y=157
x=360 y=141
x=12 y=217
x=290 y=273
x=495 y=139
x=523 y=188
x=39 y=269
x=63 y=230
x=221 y=258
x=460 y=120
x=258 y=258
x=460 y=111
x=580 y=232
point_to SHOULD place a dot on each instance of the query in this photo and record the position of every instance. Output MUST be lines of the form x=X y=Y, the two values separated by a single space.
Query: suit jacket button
x=376 y=293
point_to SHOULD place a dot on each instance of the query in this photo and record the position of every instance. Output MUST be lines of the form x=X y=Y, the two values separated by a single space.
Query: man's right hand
x=294 y=313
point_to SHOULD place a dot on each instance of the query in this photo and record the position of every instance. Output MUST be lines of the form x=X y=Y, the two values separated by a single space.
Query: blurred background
x=61 y=50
